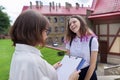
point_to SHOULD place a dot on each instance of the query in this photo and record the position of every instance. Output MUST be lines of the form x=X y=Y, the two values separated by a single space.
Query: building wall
x=116 y=46
x=57 y=29
x=110 y=33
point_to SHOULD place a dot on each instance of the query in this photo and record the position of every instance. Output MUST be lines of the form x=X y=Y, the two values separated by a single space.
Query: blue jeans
x=83 y=74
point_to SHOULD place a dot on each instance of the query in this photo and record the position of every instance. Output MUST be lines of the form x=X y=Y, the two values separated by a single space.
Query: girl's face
x=74 y=25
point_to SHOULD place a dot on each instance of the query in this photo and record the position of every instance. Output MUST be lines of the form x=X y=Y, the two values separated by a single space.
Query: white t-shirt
x=28 y=65
x=80 y=48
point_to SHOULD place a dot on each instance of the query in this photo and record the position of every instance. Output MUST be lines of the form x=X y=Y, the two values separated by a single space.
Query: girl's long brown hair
x=84 y=30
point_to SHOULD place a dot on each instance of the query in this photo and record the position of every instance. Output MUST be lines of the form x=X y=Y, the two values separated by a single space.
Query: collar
x=28 y=48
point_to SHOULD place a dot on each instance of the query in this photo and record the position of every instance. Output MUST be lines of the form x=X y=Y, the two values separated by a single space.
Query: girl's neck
x=78 y=34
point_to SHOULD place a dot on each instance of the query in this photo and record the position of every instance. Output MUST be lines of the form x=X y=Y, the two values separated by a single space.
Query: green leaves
x=4 y=21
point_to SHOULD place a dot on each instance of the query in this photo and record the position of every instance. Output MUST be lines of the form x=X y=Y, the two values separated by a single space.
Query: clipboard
x=69 y=65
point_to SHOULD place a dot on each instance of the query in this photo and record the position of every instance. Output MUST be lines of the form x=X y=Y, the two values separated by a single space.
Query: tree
x=4 y=21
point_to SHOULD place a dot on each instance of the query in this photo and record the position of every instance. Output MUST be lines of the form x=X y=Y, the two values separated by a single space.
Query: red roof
x=93 y=4
x=104 y=8
x=110 y=15
x=60 y=11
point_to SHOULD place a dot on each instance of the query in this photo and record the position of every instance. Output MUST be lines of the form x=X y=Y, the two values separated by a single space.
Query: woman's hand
x=57 y=65
x=74 y=75
x=68 y=52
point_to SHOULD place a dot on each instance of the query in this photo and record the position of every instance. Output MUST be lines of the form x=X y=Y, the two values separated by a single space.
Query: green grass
x=6 y=51
x=51 y=55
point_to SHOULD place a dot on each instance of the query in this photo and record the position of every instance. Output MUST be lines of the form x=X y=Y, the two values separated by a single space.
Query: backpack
x=90 y=43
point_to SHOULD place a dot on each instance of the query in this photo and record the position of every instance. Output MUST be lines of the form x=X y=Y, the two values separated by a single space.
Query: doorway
x=103 y=50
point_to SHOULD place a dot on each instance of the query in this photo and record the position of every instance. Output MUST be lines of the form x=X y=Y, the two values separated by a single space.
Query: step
x=110 y=77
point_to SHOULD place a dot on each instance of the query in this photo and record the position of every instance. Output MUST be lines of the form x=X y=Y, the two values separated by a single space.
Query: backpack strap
x=70 y=42
x=90 y=44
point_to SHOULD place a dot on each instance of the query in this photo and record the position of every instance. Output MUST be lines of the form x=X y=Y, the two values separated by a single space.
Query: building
x=105 y=18
x=58 y=16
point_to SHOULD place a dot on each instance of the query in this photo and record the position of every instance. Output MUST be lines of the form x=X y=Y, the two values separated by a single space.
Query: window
x=62 y=28
x=50 y=40
x=49 y=30
x=56 y=29
x=62 y=39
x=49 y=19
x=61 y=19
x=55 y=20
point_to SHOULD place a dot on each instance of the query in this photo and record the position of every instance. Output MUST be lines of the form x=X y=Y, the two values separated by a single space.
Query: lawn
x=6 y=50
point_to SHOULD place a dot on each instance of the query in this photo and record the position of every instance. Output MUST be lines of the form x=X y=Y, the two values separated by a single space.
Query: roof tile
x=107 y=6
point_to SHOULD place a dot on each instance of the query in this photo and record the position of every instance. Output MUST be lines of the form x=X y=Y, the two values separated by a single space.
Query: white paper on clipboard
x=69 y=65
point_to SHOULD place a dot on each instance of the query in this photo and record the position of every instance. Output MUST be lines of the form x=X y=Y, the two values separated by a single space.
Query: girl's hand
x=74 y=75
x=57 y=65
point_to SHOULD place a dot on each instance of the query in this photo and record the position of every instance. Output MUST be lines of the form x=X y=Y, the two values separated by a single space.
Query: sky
x=14 y=7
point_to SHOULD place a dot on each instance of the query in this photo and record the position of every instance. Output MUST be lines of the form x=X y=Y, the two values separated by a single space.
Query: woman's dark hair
x=83 y=28
x=28 y=28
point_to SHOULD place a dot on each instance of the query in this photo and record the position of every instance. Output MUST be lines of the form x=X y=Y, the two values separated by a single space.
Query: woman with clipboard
x=77 y=41
x=28 y=32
